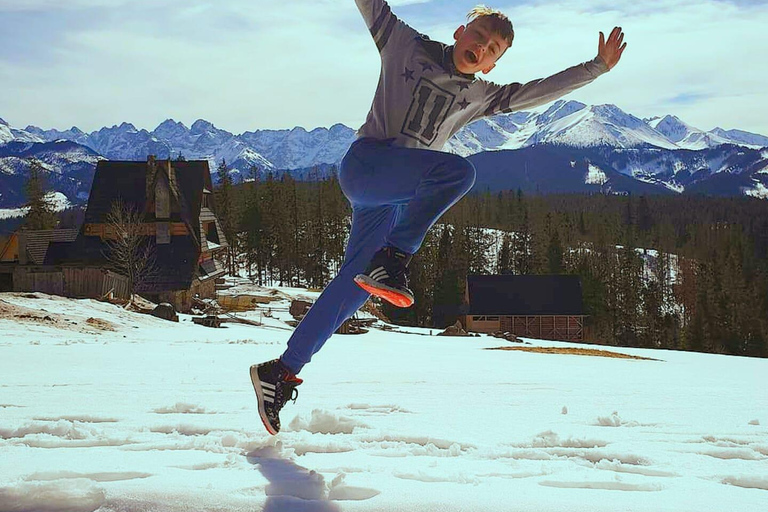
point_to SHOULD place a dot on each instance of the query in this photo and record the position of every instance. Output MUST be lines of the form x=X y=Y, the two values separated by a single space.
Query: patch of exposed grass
x=575 y=352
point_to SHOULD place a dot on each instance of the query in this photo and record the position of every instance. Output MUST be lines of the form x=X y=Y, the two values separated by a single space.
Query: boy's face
x=477 y=48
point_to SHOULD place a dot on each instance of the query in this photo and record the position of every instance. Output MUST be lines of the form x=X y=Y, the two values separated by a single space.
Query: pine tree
x=272 y=216
x=316 y=267
x=447 y=293
x=504 y=263
x=41 y=214
x=338 y=222
x=555 y=254
x=251 y=225
x=226 y=211
x=522 y=246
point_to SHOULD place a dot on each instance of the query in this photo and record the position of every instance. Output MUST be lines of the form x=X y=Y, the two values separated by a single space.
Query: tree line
x=678 y=272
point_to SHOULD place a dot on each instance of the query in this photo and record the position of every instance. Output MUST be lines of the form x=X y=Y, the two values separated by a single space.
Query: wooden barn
x=545 y=307
x=176 y=202
x=22 y=257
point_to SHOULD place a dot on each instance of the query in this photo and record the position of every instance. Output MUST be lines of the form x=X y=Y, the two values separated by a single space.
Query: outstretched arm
x=382 y=23
x=517 y=96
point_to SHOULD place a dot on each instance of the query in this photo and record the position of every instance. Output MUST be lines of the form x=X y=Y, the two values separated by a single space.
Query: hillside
x=104 y=409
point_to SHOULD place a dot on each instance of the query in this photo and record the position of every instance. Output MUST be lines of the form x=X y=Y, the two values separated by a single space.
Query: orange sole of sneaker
x=391 y=296
x=260 y=396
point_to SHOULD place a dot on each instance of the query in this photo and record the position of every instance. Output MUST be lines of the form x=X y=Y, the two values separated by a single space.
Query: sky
x=257 y=64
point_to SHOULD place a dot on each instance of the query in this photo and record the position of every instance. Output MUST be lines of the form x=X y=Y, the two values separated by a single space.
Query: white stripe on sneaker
x=379 y=274
x=267 y=385
x=268 y=392
x=269 y=399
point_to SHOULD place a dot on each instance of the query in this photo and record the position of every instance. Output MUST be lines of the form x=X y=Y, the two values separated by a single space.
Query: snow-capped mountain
x=686 y=136
x=741 y=137
x=575 y=124
x=655 y=154
x=565 y=122
x=298 y=148
x=8 y=134
x=74 y=134
x=266 y=150
x=68 y=167
x=126 y=142
x=725 y=170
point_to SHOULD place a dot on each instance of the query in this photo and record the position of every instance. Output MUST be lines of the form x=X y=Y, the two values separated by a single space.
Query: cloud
x=247 y=64
x=677 y=50
x=80 y=5
x=50 y=5
x=687 y=98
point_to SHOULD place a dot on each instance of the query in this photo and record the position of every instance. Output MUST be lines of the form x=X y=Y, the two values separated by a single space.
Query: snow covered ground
x=103 y=409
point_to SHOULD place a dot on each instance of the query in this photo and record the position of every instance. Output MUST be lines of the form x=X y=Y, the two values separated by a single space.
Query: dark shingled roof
x=127 y=180
x=524 y=295
x=38 y=241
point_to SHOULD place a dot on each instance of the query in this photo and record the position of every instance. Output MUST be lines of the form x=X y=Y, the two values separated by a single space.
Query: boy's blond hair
x=499 y=22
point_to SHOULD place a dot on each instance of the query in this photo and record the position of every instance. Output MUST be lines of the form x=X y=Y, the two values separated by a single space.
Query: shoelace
x=292 y=394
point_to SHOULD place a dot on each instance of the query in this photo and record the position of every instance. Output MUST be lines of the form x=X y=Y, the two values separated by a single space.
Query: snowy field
x=103 y=409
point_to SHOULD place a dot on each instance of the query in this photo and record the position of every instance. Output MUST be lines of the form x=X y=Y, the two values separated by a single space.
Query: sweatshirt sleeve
x=384 y=26
x=515 y=96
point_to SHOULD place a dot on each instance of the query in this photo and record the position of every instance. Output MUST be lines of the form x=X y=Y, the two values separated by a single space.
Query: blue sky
x=254 y=64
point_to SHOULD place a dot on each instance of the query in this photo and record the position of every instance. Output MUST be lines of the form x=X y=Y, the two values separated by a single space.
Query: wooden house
x=544 y=307
x=22 y=256
x=177 y=206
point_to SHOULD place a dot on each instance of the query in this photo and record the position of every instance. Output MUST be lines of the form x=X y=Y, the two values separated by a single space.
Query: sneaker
x=387 y=277
x=274 y=385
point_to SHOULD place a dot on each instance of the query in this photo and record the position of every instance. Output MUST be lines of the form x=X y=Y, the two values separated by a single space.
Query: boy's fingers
x=602 y=40
x=614 y=34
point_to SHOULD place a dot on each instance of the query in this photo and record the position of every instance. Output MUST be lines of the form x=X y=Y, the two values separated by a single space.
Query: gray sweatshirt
x=422 y=100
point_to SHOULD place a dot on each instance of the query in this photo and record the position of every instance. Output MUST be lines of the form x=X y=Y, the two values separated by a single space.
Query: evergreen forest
x=678 y=272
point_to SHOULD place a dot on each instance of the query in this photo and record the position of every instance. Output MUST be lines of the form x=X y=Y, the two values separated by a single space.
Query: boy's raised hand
x=610 y=51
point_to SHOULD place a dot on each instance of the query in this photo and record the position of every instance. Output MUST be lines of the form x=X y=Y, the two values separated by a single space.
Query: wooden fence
x=71 y=282
x=565 y=328
x=94 y=282
x=26 y=280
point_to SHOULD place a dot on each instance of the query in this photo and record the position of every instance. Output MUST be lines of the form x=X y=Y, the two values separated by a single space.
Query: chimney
x=171 y=174
x=162 y=195
x=149 y=194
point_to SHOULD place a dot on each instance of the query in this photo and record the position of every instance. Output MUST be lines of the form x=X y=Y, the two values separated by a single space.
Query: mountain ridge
x=584 y=129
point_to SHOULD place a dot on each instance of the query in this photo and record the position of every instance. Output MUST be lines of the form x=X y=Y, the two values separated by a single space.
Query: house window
x=211 y=233
x=485 y=318
x=206 y=198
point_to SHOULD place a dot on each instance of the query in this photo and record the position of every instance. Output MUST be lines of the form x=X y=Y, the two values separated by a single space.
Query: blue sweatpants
x=396 y=194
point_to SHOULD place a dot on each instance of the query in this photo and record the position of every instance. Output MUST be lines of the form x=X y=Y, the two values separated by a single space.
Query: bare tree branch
x=132 y=251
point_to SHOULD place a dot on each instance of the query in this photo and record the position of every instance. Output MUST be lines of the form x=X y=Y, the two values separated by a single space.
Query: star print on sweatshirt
x=422 y=99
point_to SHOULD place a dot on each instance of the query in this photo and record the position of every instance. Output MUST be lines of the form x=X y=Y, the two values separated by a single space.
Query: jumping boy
x=395 y=176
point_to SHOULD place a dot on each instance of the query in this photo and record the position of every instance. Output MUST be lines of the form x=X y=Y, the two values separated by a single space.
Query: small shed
x=22 y=257
x=545 y=307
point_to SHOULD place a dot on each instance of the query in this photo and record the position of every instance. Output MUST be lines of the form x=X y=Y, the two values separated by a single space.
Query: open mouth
x=470 y=56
